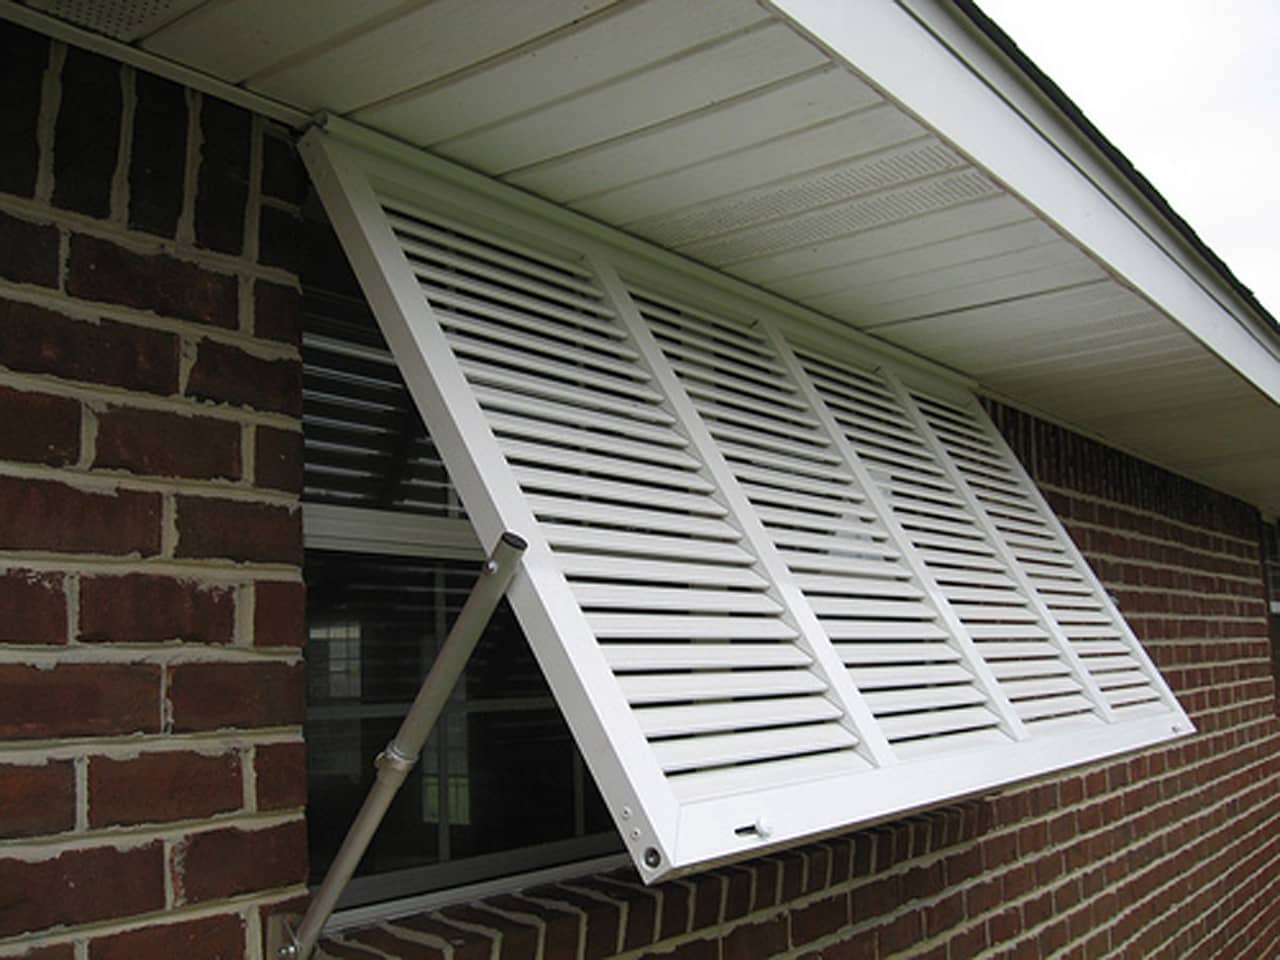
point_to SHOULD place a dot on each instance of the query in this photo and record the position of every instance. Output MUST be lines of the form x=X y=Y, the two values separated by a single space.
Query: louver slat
x=989 y=612
x=776 y=591
x=1037 y=542
x=624 y=503
x=806 y=480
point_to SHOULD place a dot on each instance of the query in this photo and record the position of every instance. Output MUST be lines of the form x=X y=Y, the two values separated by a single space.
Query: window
x=500 y=787
x=780 y=582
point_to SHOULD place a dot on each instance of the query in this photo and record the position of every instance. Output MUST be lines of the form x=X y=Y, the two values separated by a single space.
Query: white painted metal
x=1064 y=591
x=771 y=564
x=960 y=638
x=753 y=596
x=948 y=457
x=577 y=672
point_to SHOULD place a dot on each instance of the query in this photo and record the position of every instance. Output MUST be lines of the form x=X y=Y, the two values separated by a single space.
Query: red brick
x=39 y=428
x=145 y=608
x=157 y=164
x=693 y=950
x=225 y=863
x=87 y=133
x=74 y=699
x=861 y=946
x=277 y=311
x=516 y=940
x=560 y=927
x=1006 y=925
x=732 y=895
x=640 y=921
x=466 y=944
x=968 y=943
x=281 y=772
x=601 y=919
x=223 y=186
x=900 y=935
x=100 y=270
x=33 y=608
x=278 y=459
x=22 y=66
x=50 y=516
x=945 y=914
x=754 y=940
x=227 y=374
x=348 y=951
x=235 y=530
x=279 y=614
x=279 y=239
x=37 y=799
x=207 y=696
x=36 y=340
x=706 y=898
x=80 y=886
x=28 y=251
x=768 y=874
x=159 y=444
x=387 y=944
x=209 y=938
x=162 y=787
x=819 y=919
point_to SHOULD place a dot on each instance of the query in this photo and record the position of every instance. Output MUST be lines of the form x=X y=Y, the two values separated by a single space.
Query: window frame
x=334 y=528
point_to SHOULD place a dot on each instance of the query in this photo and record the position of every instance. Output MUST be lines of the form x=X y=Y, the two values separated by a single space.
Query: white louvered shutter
x=778 y=587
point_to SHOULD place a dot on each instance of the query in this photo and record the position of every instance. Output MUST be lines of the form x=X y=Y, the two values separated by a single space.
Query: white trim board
x=890 y=47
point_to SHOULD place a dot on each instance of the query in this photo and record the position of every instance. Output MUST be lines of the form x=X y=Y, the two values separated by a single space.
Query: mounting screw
x=288 y=952
x=626 y=813
x=635 y=833
x=652 y=858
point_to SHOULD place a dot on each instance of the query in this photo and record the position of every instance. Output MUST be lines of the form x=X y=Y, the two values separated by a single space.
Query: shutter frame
x=789 y=796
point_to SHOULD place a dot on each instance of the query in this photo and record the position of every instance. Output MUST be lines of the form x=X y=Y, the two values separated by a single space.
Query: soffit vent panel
x=779 y=586
x=125 y=20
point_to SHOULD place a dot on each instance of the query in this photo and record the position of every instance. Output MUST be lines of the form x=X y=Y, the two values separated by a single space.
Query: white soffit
x=892 y=174
x=780 y=585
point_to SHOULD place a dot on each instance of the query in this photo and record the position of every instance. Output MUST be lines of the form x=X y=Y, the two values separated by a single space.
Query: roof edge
x=1007 y=46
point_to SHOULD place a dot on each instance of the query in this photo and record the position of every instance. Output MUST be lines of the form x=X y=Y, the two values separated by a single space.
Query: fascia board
x=1039 y=109
x=893 y=49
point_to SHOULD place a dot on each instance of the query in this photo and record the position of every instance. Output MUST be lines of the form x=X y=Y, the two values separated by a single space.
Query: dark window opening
x=500 y=787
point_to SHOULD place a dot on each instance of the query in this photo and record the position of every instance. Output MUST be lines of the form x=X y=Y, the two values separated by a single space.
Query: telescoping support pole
x=395 y=762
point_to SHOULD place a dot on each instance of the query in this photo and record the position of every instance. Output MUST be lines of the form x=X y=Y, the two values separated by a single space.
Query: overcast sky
x=1189 y=90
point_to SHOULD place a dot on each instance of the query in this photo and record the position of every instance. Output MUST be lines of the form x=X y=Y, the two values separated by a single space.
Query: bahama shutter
x=781 y=583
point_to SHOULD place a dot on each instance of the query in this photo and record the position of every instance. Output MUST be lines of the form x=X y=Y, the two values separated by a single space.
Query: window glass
x=500 y=787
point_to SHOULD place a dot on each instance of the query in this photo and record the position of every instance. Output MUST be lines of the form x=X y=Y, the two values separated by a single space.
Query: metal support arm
x=399 y=756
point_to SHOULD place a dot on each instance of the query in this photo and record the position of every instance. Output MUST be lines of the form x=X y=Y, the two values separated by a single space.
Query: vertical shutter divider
x=1136 y=649
x=562 y=640
x=857 y=714
x=1014 y=568
x=1010 y=722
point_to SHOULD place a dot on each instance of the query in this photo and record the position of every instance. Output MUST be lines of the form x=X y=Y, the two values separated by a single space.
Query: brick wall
x=151 y=774
x=1171 y=853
